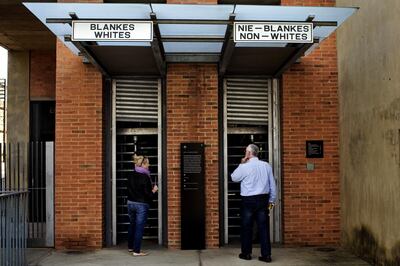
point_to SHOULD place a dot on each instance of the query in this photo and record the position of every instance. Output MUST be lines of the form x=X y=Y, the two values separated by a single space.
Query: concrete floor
x=162 y=256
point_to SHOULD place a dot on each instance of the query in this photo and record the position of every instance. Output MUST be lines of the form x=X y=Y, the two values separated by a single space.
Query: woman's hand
x=155 y=189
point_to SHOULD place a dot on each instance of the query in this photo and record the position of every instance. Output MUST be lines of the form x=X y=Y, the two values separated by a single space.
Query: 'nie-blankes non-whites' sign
x=112 y=30
x=273 y=32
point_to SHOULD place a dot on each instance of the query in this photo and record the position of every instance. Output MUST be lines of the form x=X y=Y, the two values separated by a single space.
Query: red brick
x=311 y=207
x=78 y=149
x=185 y=123
x=42 y=74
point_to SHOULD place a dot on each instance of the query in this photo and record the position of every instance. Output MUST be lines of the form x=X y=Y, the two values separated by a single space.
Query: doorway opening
x=251 y=115
x=136 y=129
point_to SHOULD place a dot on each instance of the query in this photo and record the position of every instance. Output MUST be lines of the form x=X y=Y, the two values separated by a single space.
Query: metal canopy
x=189 y=33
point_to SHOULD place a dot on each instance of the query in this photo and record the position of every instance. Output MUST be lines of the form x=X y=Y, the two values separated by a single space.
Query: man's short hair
x=253 y=149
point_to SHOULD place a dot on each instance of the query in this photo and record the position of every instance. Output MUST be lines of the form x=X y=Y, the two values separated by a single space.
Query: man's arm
x=238 y=174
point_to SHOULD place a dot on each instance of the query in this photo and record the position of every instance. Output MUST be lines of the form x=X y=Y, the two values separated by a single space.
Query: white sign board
x=112 y=30
x=285 y=32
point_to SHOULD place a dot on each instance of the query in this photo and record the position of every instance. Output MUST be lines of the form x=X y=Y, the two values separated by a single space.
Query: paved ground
x=219 y=257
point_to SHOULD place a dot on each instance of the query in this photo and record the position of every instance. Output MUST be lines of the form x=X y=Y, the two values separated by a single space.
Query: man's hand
x=271 y=206
x=245 y=159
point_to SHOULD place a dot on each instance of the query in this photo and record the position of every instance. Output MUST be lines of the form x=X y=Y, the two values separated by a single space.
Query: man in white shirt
x=258 y=191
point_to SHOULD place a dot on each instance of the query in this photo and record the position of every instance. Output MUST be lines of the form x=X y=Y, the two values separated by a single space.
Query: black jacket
x=139 y=187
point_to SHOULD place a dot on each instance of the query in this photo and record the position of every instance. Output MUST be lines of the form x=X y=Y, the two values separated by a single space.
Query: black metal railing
x=29 y=168
x=40 y=187
x=13 y=227
x=13 y=204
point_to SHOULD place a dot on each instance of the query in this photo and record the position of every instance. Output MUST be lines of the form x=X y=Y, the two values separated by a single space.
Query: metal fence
x=13 y=228
x=30 y=167
x=41 y=194
x=13 y=167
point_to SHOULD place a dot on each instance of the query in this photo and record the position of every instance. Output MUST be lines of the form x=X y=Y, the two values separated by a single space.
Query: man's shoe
x=265 y=259
x=245 y=256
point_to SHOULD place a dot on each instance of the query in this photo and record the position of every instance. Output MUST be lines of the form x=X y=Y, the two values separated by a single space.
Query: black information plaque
x=192 y=196
x=315 y=149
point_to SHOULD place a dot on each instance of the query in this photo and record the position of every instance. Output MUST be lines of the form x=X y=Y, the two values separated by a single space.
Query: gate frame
x=274 y=150
x=160 y=145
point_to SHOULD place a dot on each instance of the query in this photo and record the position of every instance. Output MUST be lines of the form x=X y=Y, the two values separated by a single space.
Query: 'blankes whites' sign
x=112 y=30
x=273 y=32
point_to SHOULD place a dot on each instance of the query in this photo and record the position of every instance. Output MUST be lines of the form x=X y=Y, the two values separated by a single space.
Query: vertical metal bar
x=49 y=194
x=14 y=159
x=7 y=230
x=9 y=167
x=13 y=226
x=19 y=231
x=24 y=162
x=18 y=235
x=25 y=223
x=5 y=166
x=9 y=233
x=270 y=147
x=31 y=191
x=6 y=243
x=114 y=164
x=28 y=189
x=225 y=162
x=270 y=121
x=2 y=247
x=277 y=160
x=159 y=167
x=40 y=190
x=35 y=187
x=1 y=231
x=13 y=210
x=16 y=227
x=1 y=167
x=18 y=164
x=12 y=229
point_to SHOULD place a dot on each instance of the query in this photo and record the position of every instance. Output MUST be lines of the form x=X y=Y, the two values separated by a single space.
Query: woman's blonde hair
x=139 y=160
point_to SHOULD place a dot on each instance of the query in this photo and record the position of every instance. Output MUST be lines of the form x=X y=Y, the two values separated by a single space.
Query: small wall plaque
x=315 y=149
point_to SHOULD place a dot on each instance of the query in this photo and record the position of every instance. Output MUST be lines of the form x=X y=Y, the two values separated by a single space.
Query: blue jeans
x=255 y=208
x=137 y=212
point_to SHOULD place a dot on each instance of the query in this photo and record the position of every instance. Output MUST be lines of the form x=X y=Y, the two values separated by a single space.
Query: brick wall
x=78 y=153
x=310 y=112
x=192 y=116
x=42 y=74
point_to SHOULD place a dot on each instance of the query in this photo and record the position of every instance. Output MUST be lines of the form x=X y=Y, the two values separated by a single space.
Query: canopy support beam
x=87 y=54
x=293 y=58
x=228 y=47
x=157 y=47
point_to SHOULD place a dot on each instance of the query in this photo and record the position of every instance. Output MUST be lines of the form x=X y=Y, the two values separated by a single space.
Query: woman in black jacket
x=140 y=193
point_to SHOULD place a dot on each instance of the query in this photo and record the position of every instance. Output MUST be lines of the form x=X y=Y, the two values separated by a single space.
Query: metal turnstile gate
x=237 y=143
x=137 y=125
x=248 y=118
x=127 y=145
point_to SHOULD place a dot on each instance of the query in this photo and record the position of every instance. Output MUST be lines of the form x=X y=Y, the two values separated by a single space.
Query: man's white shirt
x=256 y=178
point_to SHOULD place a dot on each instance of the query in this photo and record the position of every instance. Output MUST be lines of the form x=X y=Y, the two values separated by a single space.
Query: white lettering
x=274 y=32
